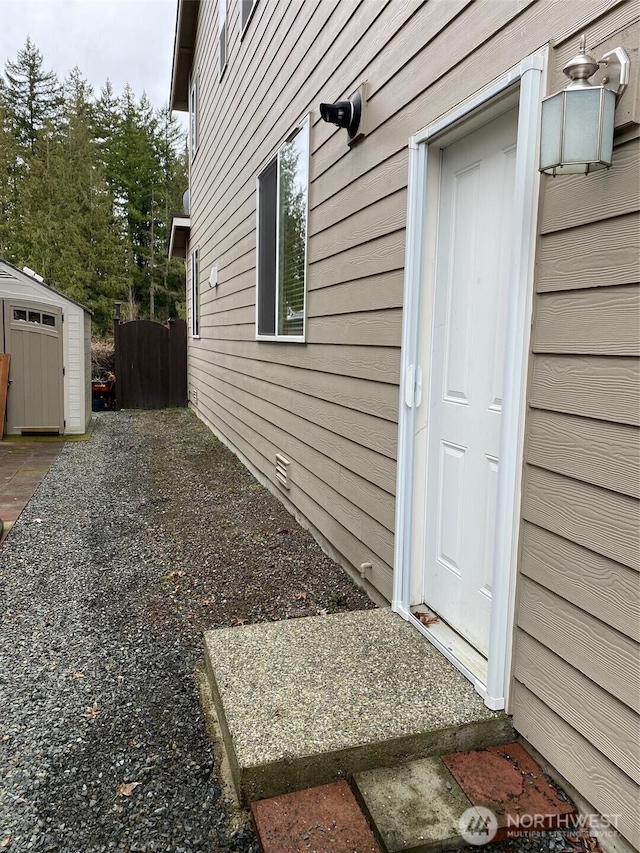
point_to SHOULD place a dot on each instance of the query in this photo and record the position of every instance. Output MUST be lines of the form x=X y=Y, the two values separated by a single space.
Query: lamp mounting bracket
x=613 y=71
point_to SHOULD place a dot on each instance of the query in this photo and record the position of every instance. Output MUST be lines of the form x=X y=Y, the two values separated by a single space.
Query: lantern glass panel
x=581 y=140
x=551 y=131
x=608 y=124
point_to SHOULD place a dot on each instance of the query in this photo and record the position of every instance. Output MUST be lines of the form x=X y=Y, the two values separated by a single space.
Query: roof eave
x=183 y=47
x=179 y=239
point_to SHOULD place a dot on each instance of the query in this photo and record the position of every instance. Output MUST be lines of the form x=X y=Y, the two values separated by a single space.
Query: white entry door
x=467 y=365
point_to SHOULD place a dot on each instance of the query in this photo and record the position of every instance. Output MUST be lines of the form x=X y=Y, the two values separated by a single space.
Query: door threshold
x=455 y=648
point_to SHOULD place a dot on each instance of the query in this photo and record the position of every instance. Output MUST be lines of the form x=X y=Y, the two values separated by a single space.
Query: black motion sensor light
x=345 y=114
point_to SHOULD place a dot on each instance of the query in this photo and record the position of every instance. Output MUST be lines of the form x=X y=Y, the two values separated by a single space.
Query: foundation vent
x=282 y=470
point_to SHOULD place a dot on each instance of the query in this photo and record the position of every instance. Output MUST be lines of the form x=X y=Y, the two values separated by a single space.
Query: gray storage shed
x=48 y=336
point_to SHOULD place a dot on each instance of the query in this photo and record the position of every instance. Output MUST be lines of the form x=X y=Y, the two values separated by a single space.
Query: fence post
x=116 y=336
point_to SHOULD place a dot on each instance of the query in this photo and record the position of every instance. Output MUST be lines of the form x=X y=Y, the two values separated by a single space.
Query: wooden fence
x=151 y=364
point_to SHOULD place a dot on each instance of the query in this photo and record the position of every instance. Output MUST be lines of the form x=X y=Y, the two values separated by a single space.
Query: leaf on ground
x=323 y=612
x=6 y=841
x=583 y=842
x=75 y=674
x=301 y=596
x=125 y=789
x=238 y=620
x=176 y=574
x=92 y=711
x=208 y=602
x=427 y=618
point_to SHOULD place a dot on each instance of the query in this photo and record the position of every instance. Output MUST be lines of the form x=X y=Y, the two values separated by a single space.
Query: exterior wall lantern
x=576 y=134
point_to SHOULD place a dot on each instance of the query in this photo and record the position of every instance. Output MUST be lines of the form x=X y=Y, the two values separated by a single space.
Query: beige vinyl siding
x=330 y=405
x=576 y=664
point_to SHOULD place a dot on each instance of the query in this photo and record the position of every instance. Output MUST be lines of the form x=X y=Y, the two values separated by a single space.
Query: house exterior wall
x=576 y=666
x=331 y=405
x=340 y=432
x=15 y=284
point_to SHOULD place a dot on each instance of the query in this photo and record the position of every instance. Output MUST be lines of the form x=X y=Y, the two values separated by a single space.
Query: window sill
x=195 y=337
x=282 y=339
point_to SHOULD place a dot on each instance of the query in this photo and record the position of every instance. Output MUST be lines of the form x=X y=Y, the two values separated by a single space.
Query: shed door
x=467 y=365
x=33 y=336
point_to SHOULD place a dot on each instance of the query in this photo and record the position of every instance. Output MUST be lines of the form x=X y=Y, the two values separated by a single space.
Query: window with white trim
x=246 y=10
x=222 y=34
x=193 y=117
x=195 y=293
x=283 y=188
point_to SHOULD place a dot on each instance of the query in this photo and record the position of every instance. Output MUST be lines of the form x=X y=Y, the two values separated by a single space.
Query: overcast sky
x=128 y=41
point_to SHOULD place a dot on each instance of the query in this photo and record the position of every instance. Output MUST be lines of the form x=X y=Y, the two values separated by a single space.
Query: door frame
x=528 y=79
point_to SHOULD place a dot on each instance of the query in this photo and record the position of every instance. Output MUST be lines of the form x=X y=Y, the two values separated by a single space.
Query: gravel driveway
x=136 y=542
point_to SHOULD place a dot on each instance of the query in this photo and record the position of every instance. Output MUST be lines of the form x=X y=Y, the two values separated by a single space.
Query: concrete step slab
x=325 y=819
x=415 y=808
x=309 y=701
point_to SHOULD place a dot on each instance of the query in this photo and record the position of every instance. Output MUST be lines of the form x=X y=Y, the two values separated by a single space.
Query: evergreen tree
x=69 y=218
x=33 y=95
x=132 y=172
x=95 y=255
x=87 y=189
x=167 y=280
x=9 y=207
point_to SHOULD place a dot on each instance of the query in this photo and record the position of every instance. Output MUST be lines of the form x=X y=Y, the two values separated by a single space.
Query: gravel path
x=136 y=542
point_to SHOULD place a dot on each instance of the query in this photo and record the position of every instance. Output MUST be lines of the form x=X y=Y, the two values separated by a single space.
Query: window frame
x=243 y=26
x=303 y=127
x=194 y=289
x=223 y=18
x=194 y=129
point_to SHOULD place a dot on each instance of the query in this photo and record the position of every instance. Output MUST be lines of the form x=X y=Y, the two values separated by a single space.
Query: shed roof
x=183 y=46
x=25 y=276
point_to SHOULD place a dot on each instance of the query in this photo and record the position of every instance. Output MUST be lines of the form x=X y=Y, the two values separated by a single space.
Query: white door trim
x=529 y=74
